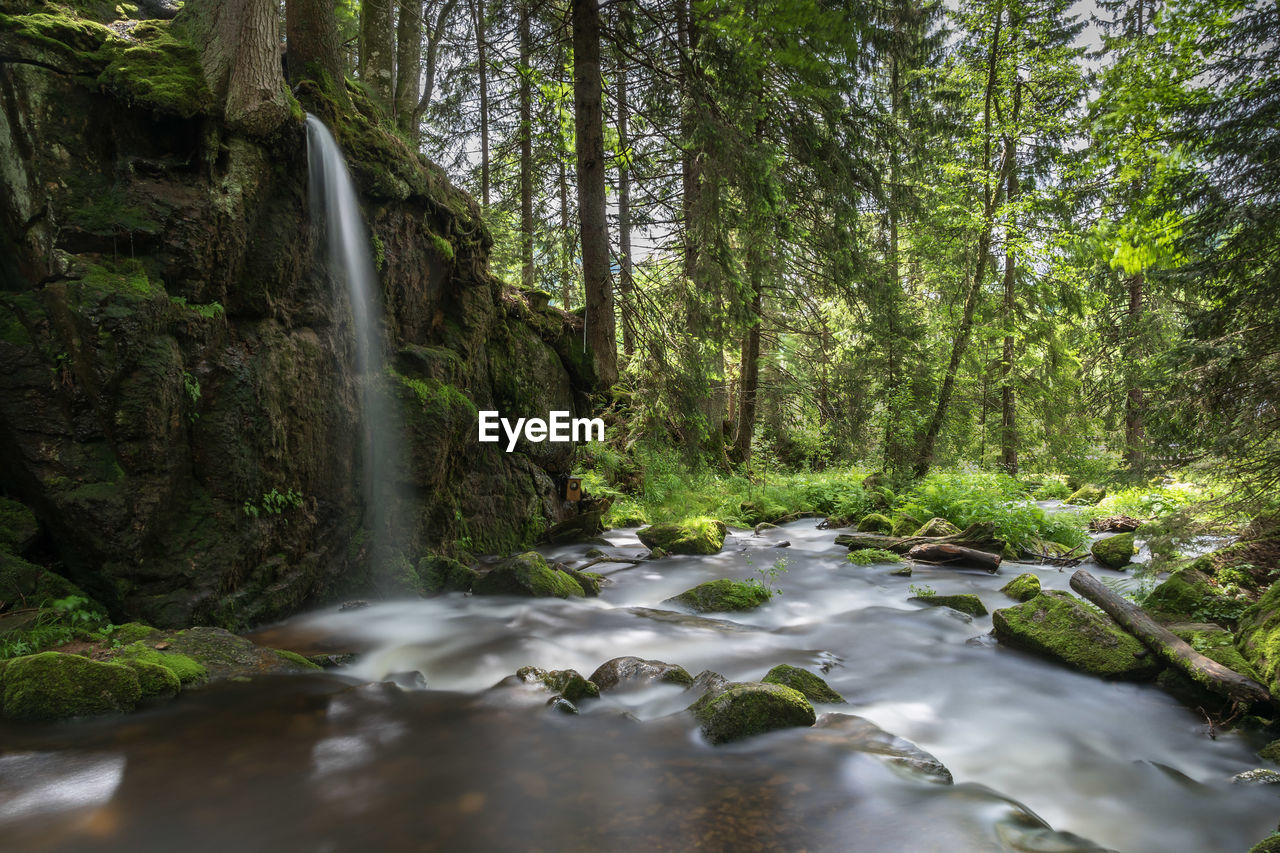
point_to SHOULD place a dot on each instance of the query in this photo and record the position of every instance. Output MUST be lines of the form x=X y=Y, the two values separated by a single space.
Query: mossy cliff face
x=177 y=406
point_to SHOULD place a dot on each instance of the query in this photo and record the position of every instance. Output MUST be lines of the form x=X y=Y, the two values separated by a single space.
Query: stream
x=331 y=761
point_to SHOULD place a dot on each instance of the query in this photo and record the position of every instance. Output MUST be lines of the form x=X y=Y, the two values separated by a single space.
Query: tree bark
x=954 y=555
x=311 y=32
x=526 y=149
x=408 y=66
x=1134 y=420
x=566 y=252
x=377 y=58
x=435 y=36
x=750 y=368
x=1008 y=412
x=240 y=56
x=1170 y=648
x=479 y=10
x=626 y=284
x=589 y=127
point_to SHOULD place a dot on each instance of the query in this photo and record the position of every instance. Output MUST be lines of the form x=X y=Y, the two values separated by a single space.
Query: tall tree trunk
x=239 y=47
x=566 y=252
x=1008 y=410
x=750 y=367
x=435 y=36
x=311 y=32
x=1134 y=420
x=480 y=10
x=928 y=443
x=377 y=57
x=408 y=66
x=626 y=284
x=526 y=150
x=896 y=452
x=588 y=116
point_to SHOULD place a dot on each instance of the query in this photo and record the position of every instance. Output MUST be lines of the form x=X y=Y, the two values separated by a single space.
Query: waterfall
x=350 y=264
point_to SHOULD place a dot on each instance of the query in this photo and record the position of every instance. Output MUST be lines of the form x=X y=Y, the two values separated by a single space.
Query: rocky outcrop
x=177 y=406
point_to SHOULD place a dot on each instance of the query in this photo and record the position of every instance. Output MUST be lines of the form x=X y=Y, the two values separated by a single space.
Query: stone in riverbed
x=1087 y=495
x=528 y=575
x=965 y=602
x=564 y=682
x=1114 y=552
x=699 y=535
x=1024 y=587
x=861 y=735
x=722 y=595
x=743 y=709
x=938 y=527
x=625 y=672
x=445 y=574
x=56 y=686
x=813 y=687
x=1058 y=626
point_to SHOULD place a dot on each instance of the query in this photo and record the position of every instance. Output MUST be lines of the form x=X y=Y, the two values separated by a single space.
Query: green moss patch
x=811 y=686
x=154 y=680
x=527 y=575
x=56 y=686
x=1024 y=587
x=296 y=659
x=698 y=535
x=965 y=602
x=937 y=527
x=1114 y=552
x=1058 y=626
x=1087 y=495
x=744 y=709
x=188 y=671
x=445 y=574
x=875 y=523
x=723 y=595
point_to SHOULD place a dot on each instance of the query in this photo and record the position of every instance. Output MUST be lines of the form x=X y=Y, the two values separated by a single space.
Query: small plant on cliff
x=192 y=386
x=273 y=503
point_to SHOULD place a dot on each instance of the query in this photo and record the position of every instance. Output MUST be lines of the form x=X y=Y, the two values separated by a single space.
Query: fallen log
x=1207 y=673
x=954 y=555
x=980 y=536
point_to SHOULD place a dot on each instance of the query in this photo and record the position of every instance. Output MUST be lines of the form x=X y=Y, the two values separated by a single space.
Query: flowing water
x=333 y=762
x=350 y=265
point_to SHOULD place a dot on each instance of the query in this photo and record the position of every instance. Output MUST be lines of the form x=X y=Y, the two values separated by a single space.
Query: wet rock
x=1024 y=587
x=57 y=686
x=332 y=661
x=213 y=654
x=875 y=523
x=563 y=705
x=938 y=527
x=410 y=680
x=1271 y=752
x=445 y=574
x=1261 y=776
x=811 y=686
x=964 y=602
x=357 y=604
x=155 y=681
x=904 y=525
x=589 y=581
x=1060 y=627
x=902 y=572
x=700 y=535
x=708 y=681
x=1114 y=552
x=743 y=709
x=656 y=554
x=527 y=575
x=621 y=673
x=18 y=527
x=1087 y=495
x=1258 y=638
x=592 y=553
x=565 y=682
x=860 y=735
x=722 y=595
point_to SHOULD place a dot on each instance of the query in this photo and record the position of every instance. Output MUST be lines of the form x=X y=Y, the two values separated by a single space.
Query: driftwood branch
x=1167 y=646
x=979 y=536
x=954 y=555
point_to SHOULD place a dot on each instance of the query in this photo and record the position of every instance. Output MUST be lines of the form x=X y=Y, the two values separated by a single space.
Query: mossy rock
x=133 y=632
x=1217 y=644
x=937 y=527
x=445 y=574
x=1258 y=638
x=743 y=709
x=1188 y=595
x=1271 y=752
x=698 y=535
x=563 y=682
x=756 y=512
x=18 y=525
x=589 y=581
x=1114 y=552
x=187 y=670
x=1024 y=587
x=296 y=659
x=201 y=653
x=723 y=595
x=57 y=686
x=965 y=602
x=628 y=671
x=527 y=575
x=1270 y=844
x=154 y=680
x=1087 y=495
x=811 y=686
x=875 y=523
x=904 y=525
x=1058 y=626
x=25 y=584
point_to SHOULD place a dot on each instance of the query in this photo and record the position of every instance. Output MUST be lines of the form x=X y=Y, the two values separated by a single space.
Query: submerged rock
x=1114 y=552
x=860 y=735
x=565 y=682
x=722 y=595
x=57 y=686
x=742 y=709
x=811 y=686
x=700 y=535
x=965 y=602
x=938 y=527
x=529 y=575
x=1059 y=626
x=621 y=673
x=589 y=581
x=1024 y=587
x=1261 y=776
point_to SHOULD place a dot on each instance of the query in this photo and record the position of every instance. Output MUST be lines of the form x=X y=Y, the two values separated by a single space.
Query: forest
x=640 y=425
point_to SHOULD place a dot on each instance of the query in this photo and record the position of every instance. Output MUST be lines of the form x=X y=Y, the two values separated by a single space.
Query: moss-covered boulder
x=1114 y=552
x=1087 y=495
x=1271 y=844
x=527 y=574
x=904 y=524
x=187 y=670
x=18 y=525
x=24 y=584
x=1271 y=752
x=875 y=523
x=965 y=602
x=155 y=681
x=445 y=574
x=1258 y=638
x=699 y=535
x=1189 y=595
x=743 y=709
x=563 y=682
x=591 y=582
x=624 y=672
x=56 y=686
x=1058 y=626
x=1217 y=644
x=722 y=595
x=811 y=686
x=937 y=527
x=197 y=655
x=1024 y=587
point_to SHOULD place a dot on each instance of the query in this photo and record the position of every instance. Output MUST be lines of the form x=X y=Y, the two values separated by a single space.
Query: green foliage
x=210 y=311
x=922 y=591
x=1052 y=488
x=273 y=503
x=766 y=578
